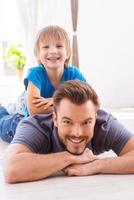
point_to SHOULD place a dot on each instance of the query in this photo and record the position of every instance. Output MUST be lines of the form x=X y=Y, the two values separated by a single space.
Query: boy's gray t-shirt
x=39 y=134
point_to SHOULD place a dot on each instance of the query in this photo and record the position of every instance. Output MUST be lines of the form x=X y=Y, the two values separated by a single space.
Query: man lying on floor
x=70 y=139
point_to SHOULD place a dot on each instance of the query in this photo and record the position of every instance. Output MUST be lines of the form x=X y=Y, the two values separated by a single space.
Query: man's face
x=75 y=124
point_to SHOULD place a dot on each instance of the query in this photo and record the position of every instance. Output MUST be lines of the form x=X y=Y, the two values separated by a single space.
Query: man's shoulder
x=109 y=133
x=40 y=119
x=35 y=132
x=104 y=121
x=103 y=116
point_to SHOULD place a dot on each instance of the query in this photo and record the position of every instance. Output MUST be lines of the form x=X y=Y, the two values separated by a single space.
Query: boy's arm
x=22 y=165
x=37 y=104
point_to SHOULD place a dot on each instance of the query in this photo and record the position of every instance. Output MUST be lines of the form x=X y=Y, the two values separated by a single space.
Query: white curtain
x=28 y=10
x=74 y=11
x=55 y=12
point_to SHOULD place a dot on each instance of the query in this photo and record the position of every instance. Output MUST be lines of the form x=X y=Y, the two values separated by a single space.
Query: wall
x=106 y=48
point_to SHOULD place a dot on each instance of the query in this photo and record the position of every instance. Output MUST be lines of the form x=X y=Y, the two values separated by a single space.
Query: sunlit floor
x=106 y=187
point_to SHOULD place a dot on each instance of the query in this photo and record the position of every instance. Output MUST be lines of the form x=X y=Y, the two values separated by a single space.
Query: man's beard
x=76 y=154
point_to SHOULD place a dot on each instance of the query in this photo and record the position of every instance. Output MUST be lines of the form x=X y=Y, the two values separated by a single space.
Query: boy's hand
x=41 y=101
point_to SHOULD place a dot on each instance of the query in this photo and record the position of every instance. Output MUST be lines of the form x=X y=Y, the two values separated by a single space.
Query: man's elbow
x=10 y=174
x=9 y=177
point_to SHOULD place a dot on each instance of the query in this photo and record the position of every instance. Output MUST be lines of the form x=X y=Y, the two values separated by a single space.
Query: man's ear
x=54 y=117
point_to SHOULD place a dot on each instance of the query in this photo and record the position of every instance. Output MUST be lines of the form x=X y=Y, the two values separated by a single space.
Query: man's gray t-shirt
x=39 y=134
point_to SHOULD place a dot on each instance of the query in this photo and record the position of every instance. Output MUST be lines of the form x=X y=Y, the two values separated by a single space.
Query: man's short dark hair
x=78 y=92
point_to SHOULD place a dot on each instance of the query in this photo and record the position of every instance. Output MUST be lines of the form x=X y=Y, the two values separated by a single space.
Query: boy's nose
x=52 y=50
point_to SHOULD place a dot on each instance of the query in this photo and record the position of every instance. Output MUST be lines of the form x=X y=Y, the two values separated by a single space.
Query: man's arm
x=122 y=164
x=23 y=165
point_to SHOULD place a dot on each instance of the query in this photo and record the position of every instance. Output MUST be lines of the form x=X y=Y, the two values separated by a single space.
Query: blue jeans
x=8 y=124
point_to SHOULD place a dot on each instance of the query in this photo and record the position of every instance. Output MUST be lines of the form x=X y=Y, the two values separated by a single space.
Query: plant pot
x=20 y=74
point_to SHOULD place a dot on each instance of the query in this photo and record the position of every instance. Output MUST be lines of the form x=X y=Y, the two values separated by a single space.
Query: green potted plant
x=16 y=58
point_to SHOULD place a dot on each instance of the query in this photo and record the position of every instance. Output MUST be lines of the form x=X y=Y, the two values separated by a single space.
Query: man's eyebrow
x=88 y=119
x=66 y=118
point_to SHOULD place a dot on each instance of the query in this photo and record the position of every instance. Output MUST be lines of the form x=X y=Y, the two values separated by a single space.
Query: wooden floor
x=60 y=187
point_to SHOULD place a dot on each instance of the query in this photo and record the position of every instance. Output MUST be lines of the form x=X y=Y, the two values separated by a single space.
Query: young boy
x=53 y=52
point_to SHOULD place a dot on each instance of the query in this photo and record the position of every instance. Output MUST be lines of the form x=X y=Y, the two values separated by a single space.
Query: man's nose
x=76 y=130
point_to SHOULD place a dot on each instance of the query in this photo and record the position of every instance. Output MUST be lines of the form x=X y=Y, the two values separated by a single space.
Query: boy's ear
x=54 y=117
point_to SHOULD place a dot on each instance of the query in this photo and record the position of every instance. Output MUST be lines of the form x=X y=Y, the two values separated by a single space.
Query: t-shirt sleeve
x=73 y=73
x=29 y=133
x=34 y=75
x=78 y=75
x=110 y=134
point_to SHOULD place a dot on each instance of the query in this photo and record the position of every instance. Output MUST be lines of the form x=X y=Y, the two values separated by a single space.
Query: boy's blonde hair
x=56 y=33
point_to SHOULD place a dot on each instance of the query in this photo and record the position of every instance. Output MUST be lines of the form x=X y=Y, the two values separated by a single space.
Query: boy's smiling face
x=53 y=54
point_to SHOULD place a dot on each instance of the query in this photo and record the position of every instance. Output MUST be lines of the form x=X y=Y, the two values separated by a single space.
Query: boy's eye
x=59 y=46
x=46 y=46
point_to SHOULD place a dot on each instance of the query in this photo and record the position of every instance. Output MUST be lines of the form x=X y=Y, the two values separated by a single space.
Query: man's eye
x=87 y=123
x=66 y=122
